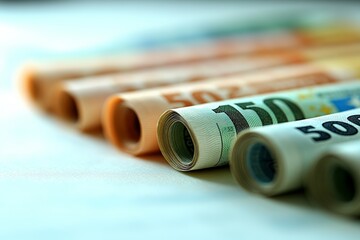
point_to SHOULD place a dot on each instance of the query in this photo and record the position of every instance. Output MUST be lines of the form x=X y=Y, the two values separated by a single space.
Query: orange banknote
x=80 y=102
x=40 y=78
x=130 y=119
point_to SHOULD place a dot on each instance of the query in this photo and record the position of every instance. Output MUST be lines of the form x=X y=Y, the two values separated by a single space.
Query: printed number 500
x=337 y=127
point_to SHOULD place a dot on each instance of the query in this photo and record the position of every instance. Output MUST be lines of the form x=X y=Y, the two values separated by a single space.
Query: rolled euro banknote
x=39 y=78
x=81 y=102
x=200 y=136
x=334 y=181
x=277 y=159
x=129 y=119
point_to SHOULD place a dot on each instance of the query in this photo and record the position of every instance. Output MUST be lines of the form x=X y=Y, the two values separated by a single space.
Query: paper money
x=40 y=78
x=200 y=136
x=276 y=159
x=81 y=101
x=129 y=119
x=334 y=181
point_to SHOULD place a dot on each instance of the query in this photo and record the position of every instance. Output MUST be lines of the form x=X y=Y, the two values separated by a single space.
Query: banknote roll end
x=182 y=146
x=343 y=184
x=122 y=126
x=67 y=106
x=260 y=163
x=177 y=142
x=335 y=185
x=254 y=165
x=30 y=83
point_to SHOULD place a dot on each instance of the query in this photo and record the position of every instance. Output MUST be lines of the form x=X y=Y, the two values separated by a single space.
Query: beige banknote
x=130 y=119
x=81 y=102
x=276 y=159
x=39 y=78
x=334 y=181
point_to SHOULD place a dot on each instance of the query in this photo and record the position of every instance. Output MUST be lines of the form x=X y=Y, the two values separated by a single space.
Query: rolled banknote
x=39 y=78
x=276 y=159
x=81 y=101
x=200 y=136
x=334 y=181
x=129 y=119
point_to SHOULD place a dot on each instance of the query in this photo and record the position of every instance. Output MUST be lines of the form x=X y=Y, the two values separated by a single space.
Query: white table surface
x=56 y=183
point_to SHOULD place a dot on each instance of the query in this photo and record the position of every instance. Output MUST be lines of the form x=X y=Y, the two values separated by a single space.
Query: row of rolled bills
x=207 y=103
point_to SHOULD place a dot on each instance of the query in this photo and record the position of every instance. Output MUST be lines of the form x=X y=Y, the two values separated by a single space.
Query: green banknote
x=277 y=159
x=200 y=136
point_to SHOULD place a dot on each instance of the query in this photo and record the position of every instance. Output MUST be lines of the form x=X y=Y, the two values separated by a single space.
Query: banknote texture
x=147 y=106
x=85 y=97
x=277 y=159
x=205 y=132
x=40 y=78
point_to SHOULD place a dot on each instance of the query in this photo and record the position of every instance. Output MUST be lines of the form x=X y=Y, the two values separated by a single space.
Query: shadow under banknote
x=49 y=117
x=220 y=175
x=297 y=198
x=156 y=158
x=223 y=176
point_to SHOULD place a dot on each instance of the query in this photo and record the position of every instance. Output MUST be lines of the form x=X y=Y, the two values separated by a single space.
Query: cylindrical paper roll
x=130 y=119
x=276 y=159
x=40 y=78
x=86 y=97
x=334 y=181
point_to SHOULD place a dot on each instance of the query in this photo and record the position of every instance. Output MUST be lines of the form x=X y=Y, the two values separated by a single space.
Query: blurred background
x=56 y=183
x=43 y=29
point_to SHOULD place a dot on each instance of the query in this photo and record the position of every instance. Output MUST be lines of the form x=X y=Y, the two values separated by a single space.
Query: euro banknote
x=200 y=137
x=276 y=159
x=80 y=102
x=129 y=119
x=40 y=78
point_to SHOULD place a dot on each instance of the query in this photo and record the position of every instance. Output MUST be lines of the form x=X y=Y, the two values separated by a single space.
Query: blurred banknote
x=334 y=182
